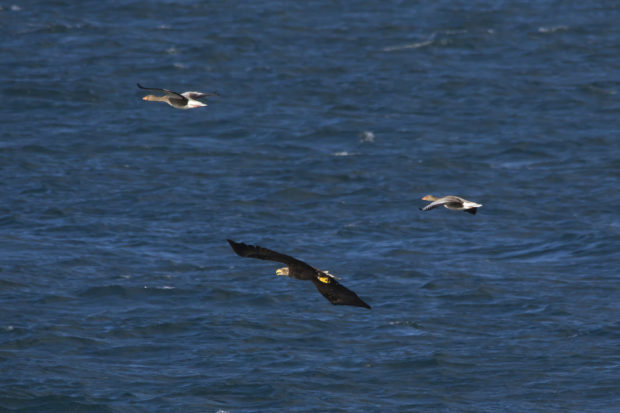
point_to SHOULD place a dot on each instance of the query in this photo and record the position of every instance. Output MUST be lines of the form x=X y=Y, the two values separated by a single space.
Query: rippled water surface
x=119 y=292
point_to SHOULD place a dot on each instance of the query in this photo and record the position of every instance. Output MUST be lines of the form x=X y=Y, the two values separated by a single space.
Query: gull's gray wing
x=198 y=95
x=166 y=91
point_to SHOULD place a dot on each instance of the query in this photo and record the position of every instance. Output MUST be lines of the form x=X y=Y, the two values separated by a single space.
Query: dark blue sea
x=119 y=292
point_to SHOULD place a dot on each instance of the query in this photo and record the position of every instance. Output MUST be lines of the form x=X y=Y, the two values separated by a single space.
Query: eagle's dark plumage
x=327 y=285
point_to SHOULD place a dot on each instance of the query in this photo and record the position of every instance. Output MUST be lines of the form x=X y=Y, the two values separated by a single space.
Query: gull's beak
x=145 y=98
x=279 y=271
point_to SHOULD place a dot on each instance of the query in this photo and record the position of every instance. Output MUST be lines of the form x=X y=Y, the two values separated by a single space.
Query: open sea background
x=119 y=292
